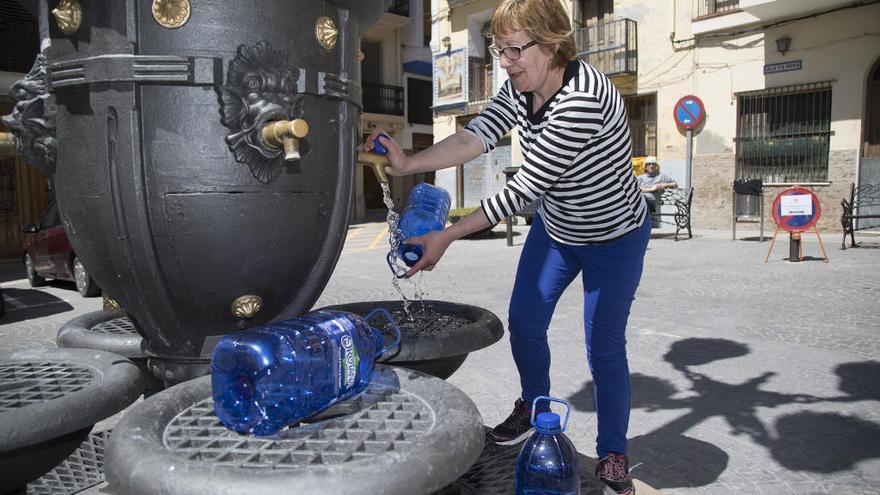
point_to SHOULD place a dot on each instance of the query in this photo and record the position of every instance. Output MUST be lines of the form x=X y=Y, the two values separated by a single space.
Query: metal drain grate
x=23 y=384
x=116 y=326
x=82 y=469
x=391 y=421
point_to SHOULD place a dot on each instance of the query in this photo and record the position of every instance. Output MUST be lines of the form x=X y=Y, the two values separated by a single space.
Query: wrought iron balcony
x=399 y=7
x=382 y=98
x=611 y=46
x=479 y=80
x=713 y=7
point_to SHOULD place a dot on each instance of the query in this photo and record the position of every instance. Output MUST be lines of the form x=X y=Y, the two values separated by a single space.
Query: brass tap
x=285 y=134
x=7 y=145
x=377 y=162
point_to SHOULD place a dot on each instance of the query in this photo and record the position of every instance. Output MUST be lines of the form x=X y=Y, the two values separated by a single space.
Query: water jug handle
x=399 y=273
x=393 y=325
x=552 y=399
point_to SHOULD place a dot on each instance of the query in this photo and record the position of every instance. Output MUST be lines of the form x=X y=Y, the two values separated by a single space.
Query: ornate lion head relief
x=32 y=120
x=261 y=87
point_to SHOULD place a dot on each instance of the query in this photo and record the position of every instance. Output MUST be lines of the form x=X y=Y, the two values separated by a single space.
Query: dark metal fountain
x=203 y=159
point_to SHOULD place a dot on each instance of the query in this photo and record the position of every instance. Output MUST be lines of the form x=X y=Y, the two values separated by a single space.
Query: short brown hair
x=546 y=20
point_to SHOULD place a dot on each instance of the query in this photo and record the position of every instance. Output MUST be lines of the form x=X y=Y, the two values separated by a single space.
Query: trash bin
x=748 y=197
x=748 y=203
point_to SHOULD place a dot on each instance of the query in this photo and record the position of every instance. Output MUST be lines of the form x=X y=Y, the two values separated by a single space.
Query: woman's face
x=531 y=70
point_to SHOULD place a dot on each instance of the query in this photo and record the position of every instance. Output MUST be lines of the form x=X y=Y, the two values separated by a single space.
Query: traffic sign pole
x=689 y=113
x=689 y=157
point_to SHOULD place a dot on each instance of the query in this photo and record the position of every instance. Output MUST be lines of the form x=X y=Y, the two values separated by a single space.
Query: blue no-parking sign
x=689 y=112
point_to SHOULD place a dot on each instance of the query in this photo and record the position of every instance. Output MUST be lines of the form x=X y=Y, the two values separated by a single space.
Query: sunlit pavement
x=747 y=377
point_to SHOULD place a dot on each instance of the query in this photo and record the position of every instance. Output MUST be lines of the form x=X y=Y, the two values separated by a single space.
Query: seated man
x=653 y=182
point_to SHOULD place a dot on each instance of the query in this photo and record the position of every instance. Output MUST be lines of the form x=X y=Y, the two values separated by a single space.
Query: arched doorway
x=869 y=172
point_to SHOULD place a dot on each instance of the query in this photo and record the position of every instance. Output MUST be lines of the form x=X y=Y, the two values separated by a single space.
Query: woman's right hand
x=400 y=162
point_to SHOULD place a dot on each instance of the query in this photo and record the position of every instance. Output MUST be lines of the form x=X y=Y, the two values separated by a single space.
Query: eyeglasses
x=511 y=52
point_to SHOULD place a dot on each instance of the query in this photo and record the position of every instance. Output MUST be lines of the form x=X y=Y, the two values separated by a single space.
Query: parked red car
x=47 y=254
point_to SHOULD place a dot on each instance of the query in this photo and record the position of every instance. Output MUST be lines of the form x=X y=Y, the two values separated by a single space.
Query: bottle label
x=348 y=363
x=341 y=333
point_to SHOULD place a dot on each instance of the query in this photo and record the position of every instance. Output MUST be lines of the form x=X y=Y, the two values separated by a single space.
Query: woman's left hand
x=434 y=245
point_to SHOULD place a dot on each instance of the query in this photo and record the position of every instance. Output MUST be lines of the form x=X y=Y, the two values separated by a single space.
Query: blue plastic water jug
x=548 y=463
x=426 y=209
x=272 y=376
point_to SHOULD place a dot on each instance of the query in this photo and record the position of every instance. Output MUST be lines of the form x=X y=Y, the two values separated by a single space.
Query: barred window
x=783 y=133
x=712 y=7
x=641 y=112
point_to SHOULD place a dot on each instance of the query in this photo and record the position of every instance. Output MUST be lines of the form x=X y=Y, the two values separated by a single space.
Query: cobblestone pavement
x=747 y=377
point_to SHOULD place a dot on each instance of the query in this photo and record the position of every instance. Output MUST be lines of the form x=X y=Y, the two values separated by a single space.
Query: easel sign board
x=796 y=209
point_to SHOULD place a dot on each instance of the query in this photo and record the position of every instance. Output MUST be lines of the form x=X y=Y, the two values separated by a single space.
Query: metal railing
x=783 y=134
x=382 y=98
x=610 y=46
x=399 y=7
x=479 y=80
x=712 y=7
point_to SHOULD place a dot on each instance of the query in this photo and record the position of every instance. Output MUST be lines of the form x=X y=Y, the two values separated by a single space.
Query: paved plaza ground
x=747 y=377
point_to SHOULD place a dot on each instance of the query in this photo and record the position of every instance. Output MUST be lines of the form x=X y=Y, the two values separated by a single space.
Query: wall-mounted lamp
x=783 y=44
x=446 y=42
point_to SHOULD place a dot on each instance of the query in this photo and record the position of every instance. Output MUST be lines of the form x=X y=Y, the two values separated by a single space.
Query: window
x=18 y=37
x=593 y=11
x=371 y=67
x=419 y=93
x=641 y=111
x=783 y=134
x=713 y=7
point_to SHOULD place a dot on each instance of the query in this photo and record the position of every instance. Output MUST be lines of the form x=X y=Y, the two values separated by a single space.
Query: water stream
x=393 y=241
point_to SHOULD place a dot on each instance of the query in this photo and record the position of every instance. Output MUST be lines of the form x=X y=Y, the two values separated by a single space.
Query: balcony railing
x=610 y=46
x=382 y=98
x=712 y=7
x=399 y=7
x=479 y=80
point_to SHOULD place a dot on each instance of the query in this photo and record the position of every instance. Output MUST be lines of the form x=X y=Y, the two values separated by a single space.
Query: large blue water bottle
x=426 y=209
x=547 y=463
x=272 y=376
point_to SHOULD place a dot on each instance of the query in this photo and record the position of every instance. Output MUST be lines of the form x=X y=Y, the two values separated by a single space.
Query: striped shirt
x=577 y=158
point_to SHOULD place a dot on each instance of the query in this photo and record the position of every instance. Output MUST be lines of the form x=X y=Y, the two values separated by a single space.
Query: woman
x=591 y=216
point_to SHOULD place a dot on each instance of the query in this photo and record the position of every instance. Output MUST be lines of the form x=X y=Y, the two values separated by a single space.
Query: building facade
x=789 y=87
x=396 y=83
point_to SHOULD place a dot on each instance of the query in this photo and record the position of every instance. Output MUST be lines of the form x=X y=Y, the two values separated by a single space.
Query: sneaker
x=613 y=470
x=515 y=428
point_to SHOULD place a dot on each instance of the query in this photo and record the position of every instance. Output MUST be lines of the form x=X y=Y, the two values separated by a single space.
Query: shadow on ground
x=819 y=442
x=27 y=304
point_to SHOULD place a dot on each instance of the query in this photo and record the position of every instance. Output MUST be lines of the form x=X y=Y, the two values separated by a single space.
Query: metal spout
x=377 y=162
x=285 y=134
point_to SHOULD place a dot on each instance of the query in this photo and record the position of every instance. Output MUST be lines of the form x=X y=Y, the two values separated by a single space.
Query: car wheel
x=33 y=278
x=84 y=283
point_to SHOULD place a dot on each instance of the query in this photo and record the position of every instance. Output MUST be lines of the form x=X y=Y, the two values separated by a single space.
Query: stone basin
x=438 y=338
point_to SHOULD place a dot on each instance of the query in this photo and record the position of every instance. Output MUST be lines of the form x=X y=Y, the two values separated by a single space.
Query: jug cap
x=538 y=423
x=548 y=422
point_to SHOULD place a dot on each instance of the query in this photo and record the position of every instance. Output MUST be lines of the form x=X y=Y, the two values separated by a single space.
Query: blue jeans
x=611 y=274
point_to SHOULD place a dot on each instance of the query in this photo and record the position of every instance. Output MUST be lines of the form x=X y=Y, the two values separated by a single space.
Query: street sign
x=796 y=209
x=689 y=112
